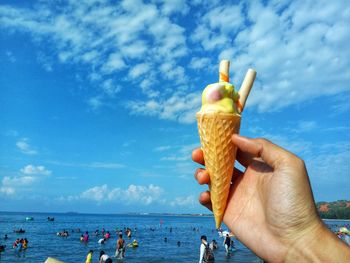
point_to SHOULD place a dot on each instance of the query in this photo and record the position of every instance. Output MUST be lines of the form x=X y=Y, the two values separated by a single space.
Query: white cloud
x=104 y=165
x=31 y=169
x=326 y=162
x=137 y=193
x=331 y=163
x=209 y=42
x=180 y=156
x=29 y=175
x=93 y=165
x=174 y=6
x=115 y=62
x=10 y=56
x=301 y=126
x=110 y=88
x=139 y=70
x=200 y=63
x=188 y=201
x=162 y=148
x=180 y=107
x=225 y=18
x=108 y=38
x=175 y=158
x=10 y=185
x=295 y=145
x=340 y=104
x=173 y=72
x=18 y=181
x=280 y=40
x=134 y=194
x=136 y=49
x=45 y=61
x=97 y=193
x=90 y=57
x=150 y=41
x=95 y=102
x=24 y=147
x=306 y=126
x=7 y=190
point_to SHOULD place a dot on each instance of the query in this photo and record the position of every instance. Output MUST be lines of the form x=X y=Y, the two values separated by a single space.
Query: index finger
x=244 y=158
x=197 y=156
x=270 y=153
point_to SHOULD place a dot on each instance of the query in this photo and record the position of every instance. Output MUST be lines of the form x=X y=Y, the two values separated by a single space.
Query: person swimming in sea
x=2 y=248
x=128 y=232
x=104 y=258
x=19 y=245
x=133 y=244
x=89 y=256
x=63 y=233
x=14 y=245
x=107 y=235
x=120 y=248
x=227 y=243
x=102 y=240
x=25 y=243
x=213 y=245
x=86 y=237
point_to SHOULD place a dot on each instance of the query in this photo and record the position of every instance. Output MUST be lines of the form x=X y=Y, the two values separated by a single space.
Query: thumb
x=270 y=153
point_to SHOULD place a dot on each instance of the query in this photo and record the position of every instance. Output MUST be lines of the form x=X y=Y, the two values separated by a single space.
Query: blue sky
x=98 y=98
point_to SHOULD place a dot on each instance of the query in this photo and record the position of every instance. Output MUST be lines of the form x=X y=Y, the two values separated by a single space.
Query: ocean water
x=43 y=241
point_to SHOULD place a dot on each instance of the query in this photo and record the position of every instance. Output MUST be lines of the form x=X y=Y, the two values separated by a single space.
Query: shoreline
x=108 y=214
x=129 y=214
x=335 y=219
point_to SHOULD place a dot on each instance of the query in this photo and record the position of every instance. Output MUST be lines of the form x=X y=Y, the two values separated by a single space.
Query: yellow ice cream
x=219 y=97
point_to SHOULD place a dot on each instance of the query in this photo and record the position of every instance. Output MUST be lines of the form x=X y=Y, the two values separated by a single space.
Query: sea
x=149 y=230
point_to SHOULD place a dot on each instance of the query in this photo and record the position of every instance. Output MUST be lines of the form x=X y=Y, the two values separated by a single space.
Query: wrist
x=318 y=244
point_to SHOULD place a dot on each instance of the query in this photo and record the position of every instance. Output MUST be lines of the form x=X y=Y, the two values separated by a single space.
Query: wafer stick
x=224 y=74
x=245 y=88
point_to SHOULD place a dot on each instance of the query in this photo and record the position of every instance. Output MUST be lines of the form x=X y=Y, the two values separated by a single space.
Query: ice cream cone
x=215 y=131
x=219 y=118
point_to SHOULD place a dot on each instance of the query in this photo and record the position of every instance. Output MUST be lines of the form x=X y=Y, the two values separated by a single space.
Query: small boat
x=19 y=231
x=29 y=218
x=50 y=219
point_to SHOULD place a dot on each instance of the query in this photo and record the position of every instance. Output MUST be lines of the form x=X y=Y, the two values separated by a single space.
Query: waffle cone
x=215 y=131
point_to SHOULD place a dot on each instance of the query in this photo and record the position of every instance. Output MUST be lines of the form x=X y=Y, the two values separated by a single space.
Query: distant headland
x=334 y=210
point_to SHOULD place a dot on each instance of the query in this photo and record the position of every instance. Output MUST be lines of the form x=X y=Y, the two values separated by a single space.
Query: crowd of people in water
x=105 y=235
x=206 y=248
x=120 y=246
x=19 y=245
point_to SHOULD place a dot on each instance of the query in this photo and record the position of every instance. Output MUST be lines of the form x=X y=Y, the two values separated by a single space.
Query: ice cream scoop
x=219 y=97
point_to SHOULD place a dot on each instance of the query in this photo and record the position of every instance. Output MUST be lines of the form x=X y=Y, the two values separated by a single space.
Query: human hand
x=270 y=207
